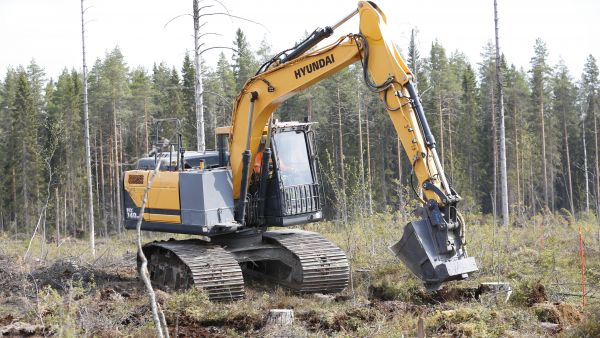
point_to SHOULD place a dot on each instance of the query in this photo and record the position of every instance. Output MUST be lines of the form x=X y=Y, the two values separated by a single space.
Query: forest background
x=551 y=133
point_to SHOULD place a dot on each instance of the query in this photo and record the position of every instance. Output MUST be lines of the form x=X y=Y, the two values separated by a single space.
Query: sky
x=49 y=31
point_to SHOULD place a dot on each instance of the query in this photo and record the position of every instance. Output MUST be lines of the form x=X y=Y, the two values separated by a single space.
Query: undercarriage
x=301 y=261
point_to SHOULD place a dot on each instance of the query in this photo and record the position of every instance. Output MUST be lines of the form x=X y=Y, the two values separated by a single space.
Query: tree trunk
x=65 y=231
x=117 y=169
x=503 y=173
x=494 y=154
x=383 y=166
x=532 y=190
x=441 y=129
x=369 y=180
x=198 y=87
x=597 y=167
x=25 y=192
x=342 y=167
x=585 y=169
x=111 y=181
x=450 y=154
x=361 y=157
x=569 y=179
x=14 y=196
x=518 y=162
x=102 y=208
x=552 y=180
x=57 y=207
x=399 y=152
x=88 y=157
x=544 y=164
x=146 y=136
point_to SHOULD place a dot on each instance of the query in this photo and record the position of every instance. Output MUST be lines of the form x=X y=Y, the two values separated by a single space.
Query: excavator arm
x=388 y=75
x=433 y=248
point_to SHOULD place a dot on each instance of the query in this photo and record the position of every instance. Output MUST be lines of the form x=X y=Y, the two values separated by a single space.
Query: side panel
x=163 y=198
x=206 y=197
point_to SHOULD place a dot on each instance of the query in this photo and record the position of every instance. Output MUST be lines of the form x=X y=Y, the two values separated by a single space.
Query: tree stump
x=281 y=317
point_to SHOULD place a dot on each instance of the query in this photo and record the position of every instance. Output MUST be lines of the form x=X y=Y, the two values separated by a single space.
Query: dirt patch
x=569 y=314
x=313 y=320
x=557 y=313
x=242 y=323
x=136 y=315
x=451 y=294
x=66 y=269
x=352 y=319
x=349 y=320
x=420 y=296
x=186 y=327
x=537 y=294
x=8 y=319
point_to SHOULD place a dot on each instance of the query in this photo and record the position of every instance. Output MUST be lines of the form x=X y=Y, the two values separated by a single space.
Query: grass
x=100 y=295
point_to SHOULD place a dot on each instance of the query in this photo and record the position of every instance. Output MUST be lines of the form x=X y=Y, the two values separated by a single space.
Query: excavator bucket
x=433 y=253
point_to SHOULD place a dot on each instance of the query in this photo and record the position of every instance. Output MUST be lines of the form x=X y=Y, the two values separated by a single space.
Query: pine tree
x=518 y=126
x=114 y=70
x=27 y=153
x=141 y=104
x=539 y=86
x=488 y=150
x=590 y=86
x=564 y=96
x=264 y=52
x=188 y=75
x=244 y=64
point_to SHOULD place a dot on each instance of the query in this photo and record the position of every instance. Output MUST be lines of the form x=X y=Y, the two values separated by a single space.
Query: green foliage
x=244 y=63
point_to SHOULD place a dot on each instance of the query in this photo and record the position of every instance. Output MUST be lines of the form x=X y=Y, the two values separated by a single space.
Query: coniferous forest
x=551 y=133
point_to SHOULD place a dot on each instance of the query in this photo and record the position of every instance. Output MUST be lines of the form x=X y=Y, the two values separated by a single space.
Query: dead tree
x=585 y=167
x=157 y=314
x=503 y=174
x=88 y=158
x=342 y=164
x=569 y=178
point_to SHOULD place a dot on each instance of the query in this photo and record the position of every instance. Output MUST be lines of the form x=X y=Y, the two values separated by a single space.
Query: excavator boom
x=432 y=247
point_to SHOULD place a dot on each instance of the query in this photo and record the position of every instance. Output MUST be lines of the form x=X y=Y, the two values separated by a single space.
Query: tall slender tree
x=539 y=93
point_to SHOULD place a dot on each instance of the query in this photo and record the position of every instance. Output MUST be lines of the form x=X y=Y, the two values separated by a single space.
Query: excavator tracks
x=323 y=266
x=182 y=264
x=299 y=260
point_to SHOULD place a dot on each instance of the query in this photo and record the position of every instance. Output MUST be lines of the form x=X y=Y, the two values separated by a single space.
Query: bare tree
x=585 y=167
x=369 y=180
x=503 y=174
x=569 y=178
x=88 y=158
x=198 y=88
x=157 y=314
x=342 y=163
x=199 y=49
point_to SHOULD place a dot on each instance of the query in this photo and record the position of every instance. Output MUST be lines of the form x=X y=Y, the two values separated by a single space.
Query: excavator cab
x=290 y=182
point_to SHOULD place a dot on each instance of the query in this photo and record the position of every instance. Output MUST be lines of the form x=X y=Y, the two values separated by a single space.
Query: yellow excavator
x=268 y=177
